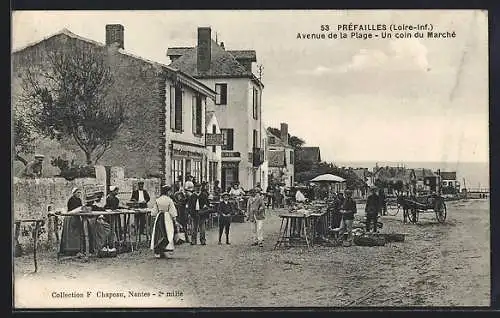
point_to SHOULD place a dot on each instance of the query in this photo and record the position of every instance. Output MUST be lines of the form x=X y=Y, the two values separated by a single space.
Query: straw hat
x=74 y=190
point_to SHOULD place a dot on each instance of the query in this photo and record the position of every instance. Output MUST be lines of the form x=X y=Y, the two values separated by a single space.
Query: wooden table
x=320 y=222
x=37 y=225
x=115 y=224
x=295 y=230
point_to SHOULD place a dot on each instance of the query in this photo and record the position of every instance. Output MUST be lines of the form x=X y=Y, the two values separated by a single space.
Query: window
x=221 y=90
x=212 y=171
x=291 y=157
x=177 y=169
x=197 y=115
x=255 y=139
x=272 y=140
x=227 y=138
x=196 y=166
x=176 y=108
x=255 y=103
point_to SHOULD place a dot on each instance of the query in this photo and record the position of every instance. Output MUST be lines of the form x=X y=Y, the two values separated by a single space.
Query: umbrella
x=328 y=178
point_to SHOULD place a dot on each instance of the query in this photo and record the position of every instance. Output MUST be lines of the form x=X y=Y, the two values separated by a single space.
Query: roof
x=278 y=142
x=448 y=175
x=244 y=55
x=394 y=174
x=309 y=154
x=276 y=158
x=187 y=79
x=222 y=63
x=424 y=173
x=178 y=51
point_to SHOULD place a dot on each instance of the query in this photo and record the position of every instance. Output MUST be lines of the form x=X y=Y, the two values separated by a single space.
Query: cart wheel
x=440 y=209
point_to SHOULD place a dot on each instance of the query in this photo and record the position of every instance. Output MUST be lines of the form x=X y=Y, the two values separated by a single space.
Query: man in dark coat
x=197 y=206
x=348 y=210
x=225 y=212
x=372 y=209
x=141 y=196
x=382 y=202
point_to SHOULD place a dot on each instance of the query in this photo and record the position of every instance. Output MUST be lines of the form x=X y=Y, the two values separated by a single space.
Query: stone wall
x=31 y=198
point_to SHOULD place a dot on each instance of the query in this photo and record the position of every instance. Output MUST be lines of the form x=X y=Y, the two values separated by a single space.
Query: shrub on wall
x=71 y=171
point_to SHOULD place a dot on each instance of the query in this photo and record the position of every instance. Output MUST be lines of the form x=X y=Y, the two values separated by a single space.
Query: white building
x=237 y=104
x=214 y=149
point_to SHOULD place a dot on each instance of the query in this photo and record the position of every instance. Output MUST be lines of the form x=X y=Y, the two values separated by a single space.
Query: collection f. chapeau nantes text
x=117 y=294
x=376 y=31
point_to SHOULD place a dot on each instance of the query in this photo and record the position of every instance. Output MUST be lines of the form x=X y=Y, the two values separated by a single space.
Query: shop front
x=230 y=173
x=188 y=160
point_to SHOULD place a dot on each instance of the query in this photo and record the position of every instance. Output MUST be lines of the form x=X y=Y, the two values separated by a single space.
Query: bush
x=71 y=171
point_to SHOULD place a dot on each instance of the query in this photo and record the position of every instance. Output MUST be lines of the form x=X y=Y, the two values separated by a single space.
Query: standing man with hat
x=197 y=206
x=225 y=211
x=141 y=196
x=33 y=168
x=372 y=209
x=348 y=210
x=256 y=213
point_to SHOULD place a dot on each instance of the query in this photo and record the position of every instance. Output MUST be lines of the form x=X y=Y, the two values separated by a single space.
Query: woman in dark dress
x=72 y=231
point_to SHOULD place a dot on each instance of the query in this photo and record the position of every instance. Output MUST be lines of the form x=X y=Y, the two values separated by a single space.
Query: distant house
x=392 y=178
x=449 y=182
x=280 y=157
x=427 y=180
x=308 y=154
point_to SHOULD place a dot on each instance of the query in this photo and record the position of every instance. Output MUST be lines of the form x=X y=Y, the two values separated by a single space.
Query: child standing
x=225 y=211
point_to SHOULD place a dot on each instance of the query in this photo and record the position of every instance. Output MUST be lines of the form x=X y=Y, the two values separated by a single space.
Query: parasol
x=328 y=178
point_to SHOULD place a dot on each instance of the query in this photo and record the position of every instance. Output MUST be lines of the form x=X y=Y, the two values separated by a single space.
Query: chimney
x=204 y=49
x=114 y=34
x=284 y=133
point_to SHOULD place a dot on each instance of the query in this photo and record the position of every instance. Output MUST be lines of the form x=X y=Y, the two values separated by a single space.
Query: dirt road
x=438 y=265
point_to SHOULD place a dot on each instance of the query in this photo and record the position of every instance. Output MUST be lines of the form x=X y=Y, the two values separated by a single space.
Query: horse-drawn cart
x=413 y=206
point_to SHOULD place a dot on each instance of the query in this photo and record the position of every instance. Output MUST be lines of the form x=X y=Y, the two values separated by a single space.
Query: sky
x=358 y=100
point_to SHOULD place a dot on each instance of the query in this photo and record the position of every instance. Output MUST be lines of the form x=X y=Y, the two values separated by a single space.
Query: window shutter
x=230 y=138
x=172 y=107
x=199 y=116
x=178 y=108
x=194 y=113
x=223 y=100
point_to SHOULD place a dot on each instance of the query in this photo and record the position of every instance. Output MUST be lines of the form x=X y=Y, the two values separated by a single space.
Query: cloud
x=400 y=55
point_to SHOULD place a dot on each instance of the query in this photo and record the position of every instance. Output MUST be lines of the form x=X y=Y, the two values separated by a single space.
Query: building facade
x=214 y=149
x=238 y=103
x=281 y=157
x=146 y=144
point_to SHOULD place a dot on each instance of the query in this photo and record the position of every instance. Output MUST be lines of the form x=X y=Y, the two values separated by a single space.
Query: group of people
x=101 y=236
x=276 y=195
x=343 y=208
x=188 y=208
x=179 y=210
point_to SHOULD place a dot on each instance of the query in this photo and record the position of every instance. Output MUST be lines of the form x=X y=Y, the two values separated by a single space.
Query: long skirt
x=72 y=241
x=163 y=234
x=102 y=235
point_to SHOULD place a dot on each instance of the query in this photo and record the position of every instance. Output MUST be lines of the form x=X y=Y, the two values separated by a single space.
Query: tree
x=23 y=136
x=70 y=98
